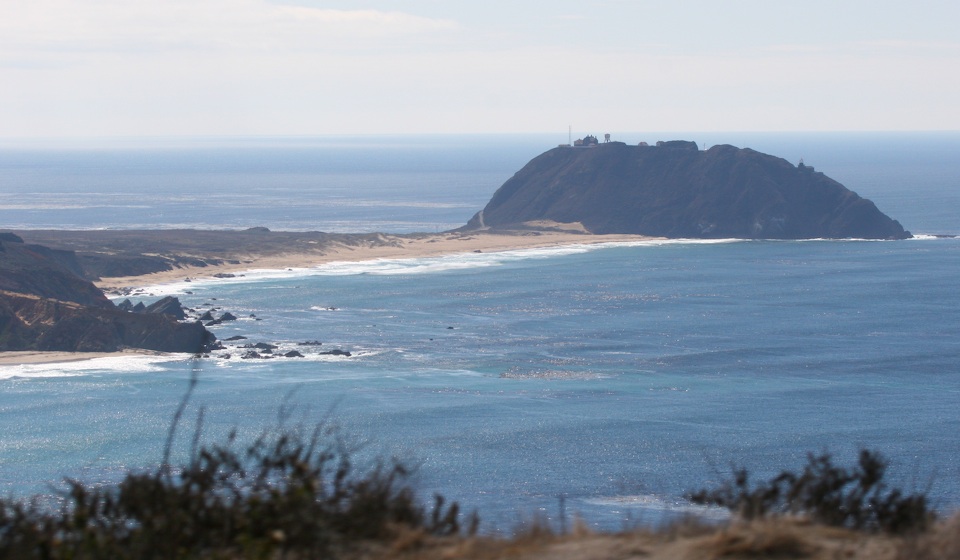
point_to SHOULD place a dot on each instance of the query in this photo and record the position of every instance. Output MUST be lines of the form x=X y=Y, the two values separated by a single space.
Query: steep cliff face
x=29 y=322
x=45 y=272
x=44 y=305
x=675 y=190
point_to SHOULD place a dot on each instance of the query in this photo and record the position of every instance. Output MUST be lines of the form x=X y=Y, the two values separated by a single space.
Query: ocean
x=604 y=381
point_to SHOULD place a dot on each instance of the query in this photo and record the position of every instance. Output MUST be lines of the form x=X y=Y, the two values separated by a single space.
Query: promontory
x=673 y=189
x=47 y=305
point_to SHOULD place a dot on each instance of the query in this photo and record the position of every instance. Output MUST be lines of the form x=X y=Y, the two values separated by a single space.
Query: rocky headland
x=46 y=304
x=674 y=189
x=52 y=282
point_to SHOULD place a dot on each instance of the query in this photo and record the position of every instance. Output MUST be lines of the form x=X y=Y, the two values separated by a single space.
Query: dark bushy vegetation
x=290 y=493
x=297 y=493
x=856 y=498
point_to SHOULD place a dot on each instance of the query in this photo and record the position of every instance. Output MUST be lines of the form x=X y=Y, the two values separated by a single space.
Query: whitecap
x=554 y=374
x=652 y=502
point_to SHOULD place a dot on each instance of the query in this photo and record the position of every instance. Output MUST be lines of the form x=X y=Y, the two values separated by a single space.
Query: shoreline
x=405 y=246
x=35 y=357
x=378 y=246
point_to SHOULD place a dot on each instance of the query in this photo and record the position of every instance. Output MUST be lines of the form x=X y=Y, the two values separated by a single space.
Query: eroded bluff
x=46 y=305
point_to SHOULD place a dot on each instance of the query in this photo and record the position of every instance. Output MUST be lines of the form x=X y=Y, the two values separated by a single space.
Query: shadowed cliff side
x=49 y=273
x=676 y=190
x=45 y=305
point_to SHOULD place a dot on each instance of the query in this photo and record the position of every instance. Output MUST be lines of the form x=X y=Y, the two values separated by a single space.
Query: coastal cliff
x=676 y=190
x=45 y=305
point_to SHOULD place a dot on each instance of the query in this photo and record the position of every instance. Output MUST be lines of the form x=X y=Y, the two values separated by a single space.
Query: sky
x=94 y=68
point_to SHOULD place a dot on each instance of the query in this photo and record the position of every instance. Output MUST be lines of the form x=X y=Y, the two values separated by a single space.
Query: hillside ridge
x=45 y=305
x=676 y=190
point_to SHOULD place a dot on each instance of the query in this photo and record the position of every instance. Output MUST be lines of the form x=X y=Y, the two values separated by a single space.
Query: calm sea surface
x=618 y=377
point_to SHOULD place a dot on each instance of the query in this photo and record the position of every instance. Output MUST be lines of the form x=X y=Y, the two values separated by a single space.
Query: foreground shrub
x=855 y=498
x=287 y=492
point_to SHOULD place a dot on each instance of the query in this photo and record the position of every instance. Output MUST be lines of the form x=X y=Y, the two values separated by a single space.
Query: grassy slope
x=775 y=538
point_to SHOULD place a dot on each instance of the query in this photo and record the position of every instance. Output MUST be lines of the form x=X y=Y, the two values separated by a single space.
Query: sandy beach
x=34 y=357
x=310 y=253
x=383 y=247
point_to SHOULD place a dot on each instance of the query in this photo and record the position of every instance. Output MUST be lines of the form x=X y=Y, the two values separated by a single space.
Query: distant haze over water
x=399 y=183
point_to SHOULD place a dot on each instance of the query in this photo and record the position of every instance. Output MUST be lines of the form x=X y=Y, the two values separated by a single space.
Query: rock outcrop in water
x=676 y=190
x=45 y=305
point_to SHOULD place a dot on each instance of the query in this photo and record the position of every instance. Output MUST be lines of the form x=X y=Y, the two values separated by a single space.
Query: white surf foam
x=931 y=237
x=432 y=265
x=110 y=364
x=462 y=261
x=414 y=265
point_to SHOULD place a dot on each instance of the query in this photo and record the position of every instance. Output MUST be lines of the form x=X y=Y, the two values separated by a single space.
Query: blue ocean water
x=343 y=184
x=619 y=377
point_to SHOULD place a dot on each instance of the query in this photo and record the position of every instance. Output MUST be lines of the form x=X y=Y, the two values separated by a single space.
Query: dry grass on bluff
x=297 y=494
x=774 y=538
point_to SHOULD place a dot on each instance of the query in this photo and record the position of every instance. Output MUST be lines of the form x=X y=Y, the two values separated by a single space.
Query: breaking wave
x=106 y=364
x=661 y=505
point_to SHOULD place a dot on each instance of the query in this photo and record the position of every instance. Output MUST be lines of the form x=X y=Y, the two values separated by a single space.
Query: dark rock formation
x=29 y=322
x=47 y=273
x=261 y=346
x=293 y=354
x=335 y=352
x=675 y=190
x=46 y=305
x=168 y=306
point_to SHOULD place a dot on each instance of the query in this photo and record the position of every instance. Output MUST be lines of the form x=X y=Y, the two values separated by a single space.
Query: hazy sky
x=222 y=67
